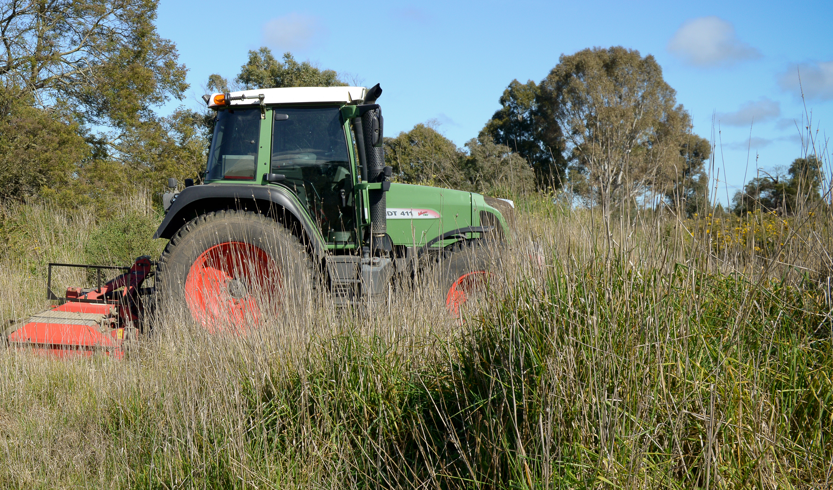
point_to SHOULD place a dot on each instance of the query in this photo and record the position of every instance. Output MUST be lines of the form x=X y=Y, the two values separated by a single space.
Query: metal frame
x=98 y=268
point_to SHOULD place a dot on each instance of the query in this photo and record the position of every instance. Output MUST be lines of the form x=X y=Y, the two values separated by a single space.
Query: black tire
x=231 y=267
x=472 y=268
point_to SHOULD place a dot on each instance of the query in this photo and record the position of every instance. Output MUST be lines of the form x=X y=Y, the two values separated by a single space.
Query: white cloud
x=293 y=32
x=710 y=41
x=816 y=80
x=413 y=14
x=787 y=123
x=751 y=112
x=753 y=143
x=445 y=120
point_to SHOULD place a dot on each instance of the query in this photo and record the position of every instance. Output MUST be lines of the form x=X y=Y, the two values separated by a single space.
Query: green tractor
x=296 y=196
x=296 y=199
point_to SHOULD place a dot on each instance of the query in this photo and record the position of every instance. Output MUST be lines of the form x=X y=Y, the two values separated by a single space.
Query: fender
x=459 y=231
x=210 y=197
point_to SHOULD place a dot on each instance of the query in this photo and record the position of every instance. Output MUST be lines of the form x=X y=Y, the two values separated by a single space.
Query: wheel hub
x=237 y=289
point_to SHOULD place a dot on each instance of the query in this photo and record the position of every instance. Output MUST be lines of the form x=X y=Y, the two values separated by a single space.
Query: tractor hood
x=417 y=215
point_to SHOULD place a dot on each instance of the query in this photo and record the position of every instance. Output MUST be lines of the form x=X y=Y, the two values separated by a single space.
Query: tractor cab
x=302 y=148
x=316 y=156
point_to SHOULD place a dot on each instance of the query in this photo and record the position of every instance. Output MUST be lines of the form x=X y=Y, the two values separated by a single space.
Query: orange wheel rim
x=230 y=285
x=459 y=292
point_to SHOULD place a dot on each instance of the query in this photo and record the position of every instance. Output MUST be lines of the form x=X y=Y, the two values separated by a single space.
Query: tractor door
x=309 y=148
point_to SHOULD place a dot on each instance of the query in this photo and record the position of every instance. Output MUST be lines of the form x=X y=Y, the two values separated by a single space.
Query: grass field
x=662 y=355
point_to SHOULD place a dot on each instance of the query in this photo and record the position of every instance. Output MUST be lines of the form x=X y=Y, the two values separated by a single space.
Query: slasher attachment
x=91 y=320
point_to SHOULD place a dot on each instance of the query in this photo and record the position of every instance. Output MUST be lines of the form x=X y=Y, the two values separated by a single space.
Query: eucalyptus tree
x=84 y=76
x=518 y=125
x=102 y=58
x=688 y=193
x=424 y=156
x=621 y=125
x=263 y=70
x=494 y=169
x=800 y=188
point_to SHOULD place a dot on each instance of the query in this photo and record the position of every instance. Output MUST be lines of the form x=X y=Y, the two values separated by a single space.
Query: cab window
x=234 y=145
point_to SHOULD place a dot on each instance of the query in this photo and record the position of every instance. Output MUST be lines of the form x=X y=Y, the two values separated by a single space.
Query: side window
x=234 y=145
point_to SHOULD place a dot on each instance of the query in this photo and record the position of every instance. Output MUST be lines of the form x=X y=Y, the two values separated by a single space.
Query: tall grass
x=667 y=363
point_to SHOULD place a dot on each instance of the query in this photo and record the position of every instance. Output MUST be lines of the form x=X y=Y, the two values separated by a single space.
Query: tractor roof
x=293 y=95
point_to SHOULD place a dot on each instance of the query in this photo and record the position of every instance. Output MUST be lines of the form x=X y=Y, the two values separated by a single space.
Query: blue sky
x=733 y=64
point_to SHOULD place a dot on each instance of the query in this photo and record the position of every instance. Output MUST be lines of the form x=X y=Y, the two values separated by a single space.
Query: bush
x=765 y=235
x=119 y=241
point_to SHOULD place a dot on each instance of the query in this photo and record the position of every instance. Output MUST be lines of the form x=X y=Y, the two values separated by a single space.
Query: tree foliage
x=424 y=156
x=104 y=58
x=84 y=77
x=495 y=169
x=688 y=193
x=40 y=149
x=783 y=193
x=806 y=178
x=262 y=70
x=518 y=125
x=621 y=125
x=173 y=146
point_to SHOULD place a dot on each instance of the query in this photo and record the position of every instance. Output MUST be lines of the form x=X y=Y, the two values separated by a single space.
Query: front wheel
x=233 y=270
x=467 y=274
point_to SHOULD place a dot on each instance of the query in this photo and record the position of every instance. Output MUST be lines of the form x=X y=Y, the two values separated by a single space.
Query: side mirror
x=372 y=125
x=172 y=183
x=377 y=126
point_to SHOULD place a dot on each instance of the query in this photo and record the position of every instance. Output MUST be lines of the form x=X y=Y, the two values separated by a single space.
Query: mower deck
x=88 y=321
x=73 y=330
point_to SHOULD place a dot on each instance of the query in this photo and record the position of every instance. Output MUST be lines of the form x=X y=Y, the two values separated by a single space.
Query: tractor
x=295 y=198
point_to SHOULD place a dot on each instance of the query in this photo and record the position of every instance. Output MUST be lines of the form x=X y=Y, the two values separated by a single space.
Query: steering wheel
x=308 y=154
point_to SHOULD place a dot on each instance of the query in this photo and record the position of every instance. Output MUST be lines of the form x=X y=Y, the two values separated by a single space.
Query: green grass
x=660 y=365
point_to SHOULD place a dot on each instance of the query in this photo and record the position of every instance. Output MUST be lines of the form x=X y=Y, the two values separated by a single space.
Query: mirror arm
x=358 y=129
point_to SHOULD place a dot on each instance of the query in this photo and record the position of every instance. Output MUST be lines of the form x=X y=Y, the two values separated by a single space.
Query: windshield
x=234 y=145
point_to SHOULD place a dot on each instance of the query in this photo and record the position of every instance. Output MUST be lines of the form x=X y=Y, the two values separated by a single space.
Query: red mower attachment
x=88 y=320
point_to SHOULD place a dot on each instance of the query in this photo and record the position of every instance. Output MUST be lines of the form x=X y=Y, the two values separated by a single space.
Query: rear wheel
x=233 y=270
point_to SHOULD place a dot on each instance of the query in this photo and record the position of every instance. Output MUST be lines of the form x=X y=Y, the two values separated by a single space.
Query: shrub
x=119 y=241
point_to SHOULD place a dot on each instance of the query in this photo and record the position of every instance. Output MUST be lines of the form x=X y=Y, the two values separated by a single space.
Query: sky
x=734 y=65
